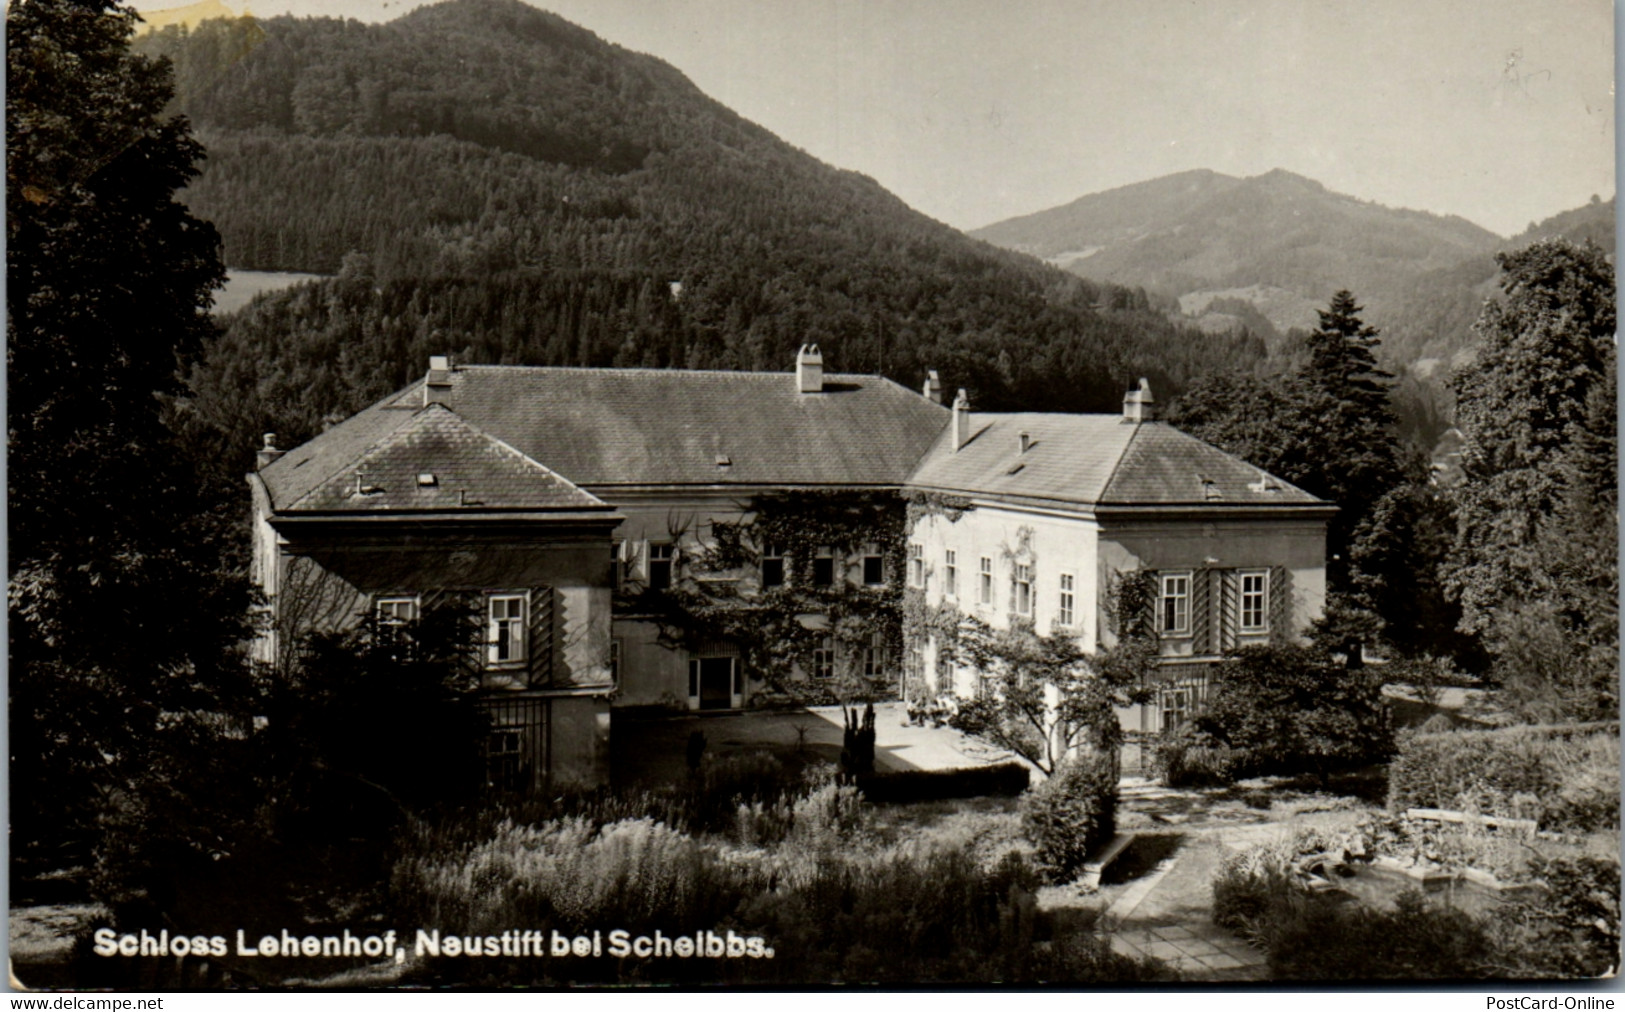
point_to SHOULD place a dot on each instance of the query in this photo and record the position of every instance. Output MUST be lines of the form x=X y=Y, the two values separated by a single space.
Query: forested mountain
x=488 y=179
x=1282 y=245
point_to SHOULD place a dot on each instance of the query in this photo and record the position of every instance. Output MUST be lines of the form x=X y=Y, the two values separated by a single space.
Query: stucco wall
x=1050 y=545
x=332 y=582
x=1184 y=544
x=579 y=741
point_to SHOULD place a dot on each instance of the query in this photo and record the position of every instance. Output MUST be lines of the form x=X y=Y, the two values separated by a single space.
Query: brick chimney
x=961 y=420
x=1139 y=405
x=437 y=386
x=810 y=370
x=933 y=387
x=267 y=453
x=1025 y=441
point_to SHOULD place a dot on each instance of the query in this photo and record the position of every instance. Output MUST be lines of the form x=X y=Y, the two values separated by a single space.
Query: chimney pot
x=933 y=387
x=1138 y=404
x=810 y=370
x=437 y=385
x=961 y=420
x=268 y=452
x=1026 y=441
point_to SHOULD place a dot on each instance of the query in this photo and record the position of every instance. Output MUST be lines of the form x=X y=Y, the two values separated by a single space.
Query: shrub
x=1564 y=777
x=1007 y=779
x=1072 y=813
x=1289 y=710
x=1313 y=939
x=818 y=821
x=1248 y=888
x=1572 y=931
x=1184 y=758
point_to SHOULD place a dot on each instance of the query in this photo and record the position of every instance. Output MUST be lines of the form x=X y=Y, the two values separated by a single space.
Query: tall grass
x=792 y=861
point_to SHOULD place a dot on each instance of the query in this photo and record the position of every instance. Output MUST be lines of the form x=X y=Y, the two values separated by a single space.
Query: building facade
x=1046 y=514
x=692 y=540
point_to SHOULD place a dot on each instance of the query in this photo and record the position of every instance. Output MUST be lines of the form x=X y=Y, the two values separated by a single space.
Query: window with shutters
x=1255 y=595
x=505 y=629
x=1174 y=604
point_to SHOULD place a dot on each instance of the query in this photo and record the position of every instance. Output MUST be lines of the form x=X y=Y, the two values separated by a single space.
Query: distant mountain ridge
x=1279 y=243
x=483 y=177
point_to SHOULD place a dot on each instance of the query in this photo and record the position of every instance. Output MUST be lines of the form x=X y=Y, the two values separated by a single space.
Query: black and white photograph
x=763 y=494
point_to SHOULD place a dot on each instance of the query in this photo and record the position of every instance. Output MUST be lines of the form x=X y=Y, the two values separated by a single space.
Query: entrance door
x=716 y=683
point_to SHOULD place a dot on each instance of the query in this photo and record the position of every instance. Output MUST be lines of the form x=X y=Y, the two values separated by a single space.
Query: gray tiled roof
x=607 y=427
x=432 y=460
x=1095 y=460
x=601 y=427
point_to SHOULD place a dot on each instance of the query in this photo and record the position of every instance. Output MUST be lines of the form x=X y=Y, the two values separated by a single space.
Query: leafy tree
x=1288 y=709
x=122 y=639
x=1537 y=412
x=1043 y=696
x=1327 y=426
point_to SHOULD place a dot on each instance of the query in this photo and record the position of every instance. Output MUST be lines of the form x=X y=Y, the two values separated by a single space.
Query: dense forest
x=486 y=179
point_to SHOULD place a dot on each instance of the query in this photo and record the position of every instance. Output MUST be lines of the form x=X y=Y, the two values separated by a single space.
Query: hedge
x=1007 y=778
x=1565 y=777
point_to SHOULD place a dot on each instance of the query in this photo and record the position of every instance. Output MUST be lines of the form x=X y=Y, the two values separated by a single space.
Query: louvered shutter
x=540 y=639
x=1229 y=609
x=1281 y=630
x=1201 y=612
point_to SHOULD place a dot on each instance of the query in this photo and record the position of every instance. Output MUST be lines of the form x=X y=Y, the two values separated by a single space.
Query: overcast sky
x=973 y=111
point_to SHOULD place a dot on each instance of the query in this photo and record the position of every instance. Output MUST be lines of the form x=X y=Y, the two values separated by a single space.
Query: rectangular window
x=1174 y=604
x=916 y=565
x=506 y=628
x=823 y=567
x=874 y=656
x=950 y=573
x=1175 y=704
x=615 y=661
x=1021 y=581
x=397 y=611
x=874 y=570
x=772 y=567
x=1063 y=613
x=660 y=563
x=986 y=574
x=516 y=748
x=1255 y=591
x=824 y=659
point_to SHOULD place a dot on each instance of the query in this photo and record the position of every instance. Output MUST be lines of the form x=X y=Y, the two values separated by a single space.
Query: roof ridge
x=1117 y=465
x=525 y=457
x=652 y=371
